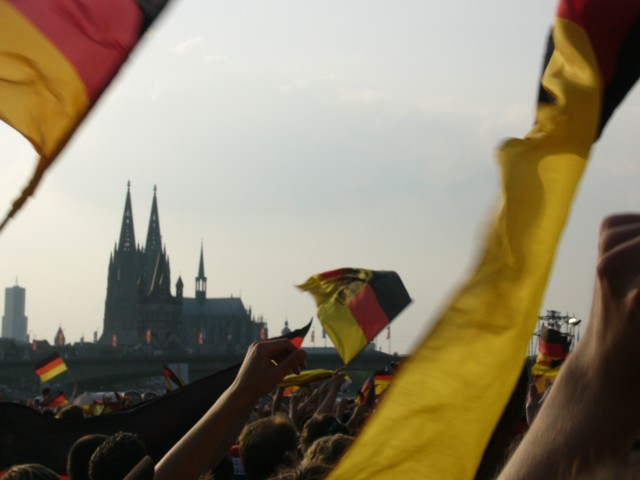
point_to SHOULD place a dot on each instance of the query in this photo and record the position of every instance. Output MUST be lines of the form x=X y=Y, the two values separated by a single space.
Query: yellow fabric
x=444 y=403
x=42 y=95
x=332 y=296
x=54 y=372
x=306 y=376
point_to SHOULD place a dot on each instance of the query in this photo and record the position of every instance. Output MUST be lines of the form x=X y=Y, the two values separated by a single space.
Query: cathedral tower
x=125 y=270
x=201 y=280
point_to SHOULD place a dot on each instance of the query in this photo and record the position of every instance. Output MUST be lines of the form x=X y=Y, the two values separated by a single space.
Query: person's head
x=320 y=426
x=327 y=450
x=30 y=471
x=80 y=454
x=266 y=445
x=116 y=457
x=71 y=412
x=315 y=471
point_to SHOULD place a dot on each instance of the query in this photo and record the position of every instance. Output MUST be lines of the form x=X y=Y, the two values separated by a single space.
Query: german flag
x=553 y=348
x=56 y=59
x=57 y=401
x=431 y=425
x=50 y=367
x=305 y=377
x=355 y=304
x=296 y=336
x=171 y=379
x=375 y=385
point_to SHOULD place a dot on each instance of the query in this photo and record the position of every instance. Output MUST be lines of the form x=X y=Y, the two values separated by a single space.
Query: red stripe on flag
x=297 y=341
x=367 y=312
x=551 y=349
x=50 y=366
x=95 y=36
x=606 y=26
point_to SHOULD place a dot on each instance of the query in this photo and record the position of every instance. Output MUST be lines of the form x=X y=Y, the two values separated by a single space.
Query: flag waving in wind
x=171 y=379
x=50 y=367
x=56 y=59
x=354 y=305
x=433 y=423
x=297 y=336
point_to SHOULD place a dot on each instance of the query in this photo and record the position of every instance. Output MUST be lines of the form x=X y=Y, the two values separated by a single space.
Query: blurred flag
x=50 y=367
x=553 y=348
x=57 y=400
x=429 y=425
x=297 y=336
x=374 y=386
x=306 y=376
x=354 y=305
x=171 y=380
x=56 y=59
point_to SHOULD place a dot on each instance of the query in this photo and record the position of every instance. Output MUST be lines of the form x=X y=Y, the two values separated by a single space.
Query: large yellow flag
x=56 y=59
x=440 y=412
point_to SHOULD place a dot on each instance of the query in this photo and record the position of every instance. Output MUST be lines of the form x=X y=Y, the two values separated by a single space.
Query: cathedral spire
x=201 y=280
x=153 y=247
x=127 y=236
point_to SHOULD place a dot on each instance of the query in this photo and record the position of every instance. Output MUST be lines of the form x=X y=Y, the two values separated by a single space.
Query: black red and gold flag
x=56 y=60
x=171 y=379
x=50 y=367
x=355 y=304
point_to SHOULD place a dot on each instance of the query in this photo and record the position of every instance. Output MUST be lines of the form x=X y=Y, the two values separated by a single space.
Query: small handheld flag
x=553 y=348
x=50 y=367
x=171 y=379
x=297 y=336
x=354 y=305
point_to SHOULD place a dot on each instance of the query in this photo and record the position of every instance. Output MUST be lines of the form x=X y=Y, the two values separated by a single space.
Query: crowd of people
x=584 y=426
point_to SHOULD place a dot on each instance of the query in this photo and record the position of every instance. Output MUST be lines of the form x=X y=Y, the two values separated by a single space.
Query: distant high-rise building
x=140 y=308
x=14 y=321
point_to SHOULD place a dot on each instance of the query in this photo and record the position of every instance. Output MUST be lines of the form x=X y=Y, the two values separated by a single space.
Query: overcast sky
x=295 y=137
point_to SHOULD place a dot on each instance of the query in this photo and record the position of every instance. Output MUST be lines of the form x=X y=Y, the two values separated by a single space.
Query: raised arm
x=265 y=364
x=589 y=421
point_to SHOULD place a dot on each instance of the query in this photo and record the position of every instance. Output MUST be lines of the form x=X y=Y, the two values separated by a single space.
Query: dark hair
x=80 y=454
x=30 y=471
x=267 y=445
x=71 y=412
x=327 y=450
x=320 y=426
x=315 y=471
x=116 y=457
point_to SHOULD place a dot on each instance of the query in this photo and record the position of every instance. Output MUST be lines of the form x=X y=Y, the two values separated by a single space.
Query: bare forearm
x=582 y=427
x=208 y=440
